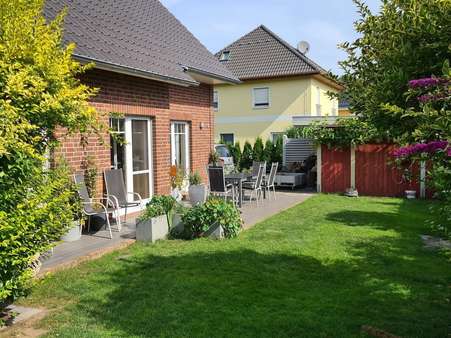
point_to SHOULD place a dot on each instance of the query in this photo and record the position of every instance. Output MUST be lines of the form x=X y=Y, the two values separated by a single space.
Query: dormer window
x=225 y=56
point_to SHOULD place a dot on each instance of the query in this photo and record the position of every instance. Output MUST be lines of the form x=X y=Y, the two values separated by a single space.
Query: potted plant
x=197 y=190
x=177 y=178
x=155 y=222
x=214 y=157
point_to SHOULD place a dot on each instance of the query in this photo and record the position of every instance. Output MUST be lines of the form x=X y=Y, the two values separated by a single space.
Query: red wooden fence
x=374 y=174
x=335 y=169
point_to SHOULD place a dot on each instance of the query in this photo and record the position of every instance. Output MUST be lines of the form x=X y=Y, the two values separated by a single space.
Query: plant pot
x=176 y=193
x=197 y=194
x=215 y=232
x=411 y=194
x=74 y=233
x=153 y=229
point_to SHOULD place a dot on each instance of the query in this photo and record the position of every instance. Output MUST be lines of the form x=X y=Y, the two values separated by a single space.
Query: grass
x=321 y=269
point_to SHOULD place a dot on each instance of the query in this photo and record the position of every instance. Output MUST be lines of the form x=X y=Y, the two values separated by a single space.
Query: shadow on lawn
x=244 y=293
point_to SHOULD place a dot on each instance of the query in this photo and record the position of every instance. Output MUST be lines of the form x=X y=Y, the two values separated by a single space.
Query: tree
x=407 y=39
x=267 y=152
x=247 y=156
x=235 y=151
x=258 y=149
x=39 y=93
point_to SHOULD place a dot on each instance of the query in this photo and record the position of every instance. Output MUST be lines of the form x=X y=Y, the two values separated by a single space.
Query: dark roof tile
x=263 y=54
x=141 y=35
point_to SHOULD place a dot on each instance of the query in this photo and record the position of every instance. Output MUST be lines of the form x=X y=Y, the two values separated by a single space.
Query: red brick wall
x=141 y=97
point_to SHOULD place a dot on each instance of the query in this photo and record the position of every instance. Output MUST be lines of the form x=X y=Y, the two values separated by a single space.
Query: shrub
x=258 y=149
x=267 y=152
x=247 y=156
x=195 y=178
x=213 y=157
x=90 y=175
x=235 y=151
x=159 y=205
x=277 y=151
x=201 y=218
x=40 y=94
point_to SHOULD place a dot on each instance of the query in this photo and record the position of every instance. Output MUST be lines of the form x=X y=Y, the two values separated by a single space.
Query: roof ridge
x=306 y=59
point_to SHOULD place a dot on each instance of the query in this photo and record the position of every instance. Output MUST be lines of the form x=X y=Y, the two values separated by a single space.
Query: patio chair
x=256 y=166
x=92 y=206
x=255 y=186
x=218 y=186
x=269 y=183
x=116 y=192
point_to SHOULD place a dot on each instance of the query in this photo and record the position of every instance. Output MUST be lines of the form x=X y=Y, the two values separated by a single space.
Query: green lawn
x=321 y=269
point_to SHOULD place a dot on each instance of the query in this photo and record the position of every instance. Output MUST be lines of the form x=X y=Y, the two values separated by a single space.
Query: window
x=180 y=145
x=215 y=101
x=275 y=136
x=318 y=101
x=260 y=97
x=227 y=138
x=117 y=142
x=225 y=56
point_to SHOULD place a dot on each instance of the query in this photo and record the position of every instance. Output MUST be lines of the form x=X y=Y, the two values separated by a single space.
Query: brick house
x=150 y=69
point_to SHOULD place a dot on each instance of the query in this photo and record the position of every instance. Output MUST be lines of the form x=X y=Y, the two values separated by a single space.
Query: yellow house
x=279 y=84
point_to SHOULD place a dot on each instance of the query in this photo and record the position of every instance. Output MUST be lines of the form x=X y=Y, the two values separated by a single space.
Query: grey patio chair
x=92 y=206
x=255 y=186
x=218 y=186
x=269 y=183
x=255 y=167
x=116 y=192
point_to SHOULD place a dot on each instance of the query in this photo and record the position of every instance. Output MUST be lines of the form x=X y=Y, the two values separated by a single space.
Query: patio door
x=138 y=169
x=180 y=145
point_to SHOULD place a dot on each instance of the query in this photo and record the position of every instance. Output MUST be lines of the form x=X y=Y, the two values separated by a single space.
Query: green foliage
x=90 y=175
x=160 y=205
x=195 y=178
x=201 y=218
x=247 y=156
x=36 y=209
x=177 y=177
x=268 y=151
x=258 y=149
x=405 y=40
x=235 y=151
x=277 y=151
x=345 y=132
x=213 y=157
x=39 y=94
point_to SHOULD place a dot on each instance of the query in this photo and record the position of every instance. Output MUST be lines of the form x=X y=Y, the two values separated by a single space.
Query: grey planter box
x=74 y=233
x=152 y=230
x=215 y=232
x=197 y=194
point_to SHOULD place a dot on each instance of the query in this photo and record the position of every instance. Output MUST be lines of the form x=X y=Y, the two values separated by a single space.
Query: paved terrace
x=94 y=245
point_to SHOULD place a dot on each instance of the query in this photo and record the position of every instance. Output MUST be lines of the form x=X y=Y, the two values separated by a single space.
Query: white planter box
x=197 y=194
x=74 y=233
x=152 y=230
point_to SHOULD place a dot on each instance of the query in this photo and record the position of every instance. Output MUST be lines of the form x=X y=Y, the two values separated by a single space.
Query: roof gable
x=137 y=35
x=263 y=54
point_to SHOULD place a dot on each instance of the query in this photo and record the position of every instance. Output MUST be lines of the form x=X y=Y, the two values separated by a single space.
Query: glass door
x=139 y=156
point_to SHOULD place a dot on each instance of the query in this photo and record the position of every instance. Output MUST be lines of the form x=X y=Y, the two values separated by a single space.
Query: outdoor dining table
x=237 y=179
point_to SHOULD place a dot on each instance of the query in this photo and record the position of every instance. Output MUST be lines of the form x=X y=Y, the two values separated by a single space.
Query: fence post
x=353 y=167
x=318 y=168
x=422 y=179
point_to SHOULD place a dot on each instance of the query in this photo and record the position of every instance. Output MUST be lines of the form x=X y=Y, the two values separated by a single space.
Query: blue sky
x=323 y=23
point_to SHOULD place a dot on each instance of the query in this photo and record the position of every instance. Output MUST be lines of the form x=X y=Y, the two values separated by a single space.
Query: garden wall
x=367 y=167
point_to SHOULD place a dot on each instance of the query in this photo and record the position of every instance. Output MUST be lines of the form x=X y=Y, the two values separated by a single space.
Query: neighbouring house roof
x=138 y=37
x=263 y=54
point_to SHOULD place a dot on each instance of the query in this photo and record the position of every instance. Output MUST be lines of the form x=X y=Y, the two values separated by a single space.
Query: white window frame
x=215 y=92
x=276 y=133
x=187 y=144
x=129 y=156
x=253 y=98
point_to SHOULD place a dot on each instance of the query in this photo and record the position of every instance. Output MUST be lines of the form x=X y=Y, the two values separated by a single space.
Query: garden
x=331 y=266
